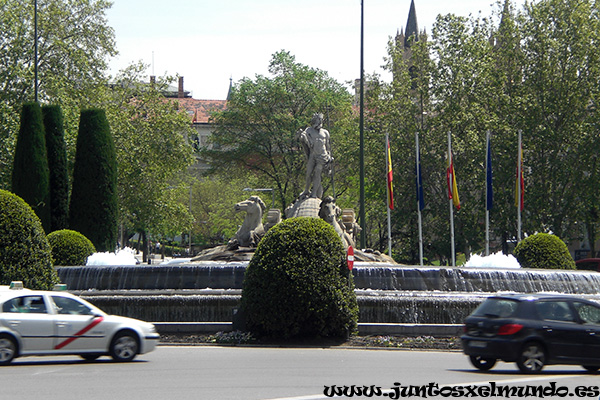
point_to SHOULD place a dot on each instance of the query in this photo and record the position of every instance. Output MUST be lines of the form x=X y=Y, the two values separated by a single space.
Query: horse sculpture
x=329 y=212
x=252 y=229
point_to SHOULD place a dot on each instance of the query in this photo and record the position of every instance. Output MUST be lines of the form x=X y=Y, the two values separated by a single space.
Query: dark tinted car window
x=496 y=308
x=588 y=313
x=554 y=310
x=25 y=304
x=65 y=305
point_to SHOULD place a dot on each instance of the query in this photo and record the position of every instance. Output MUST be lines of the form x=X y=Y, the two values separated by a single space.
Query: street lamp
x=263 y=190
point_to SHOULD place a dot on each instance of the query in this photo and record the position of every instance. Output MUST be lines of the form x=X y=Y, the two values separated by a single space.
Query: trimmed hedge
x=93 y=209
x=70 y=247
x=30 y=174
x=24 y=250
x=297 y=284
x=57 y=163
x=543 y=250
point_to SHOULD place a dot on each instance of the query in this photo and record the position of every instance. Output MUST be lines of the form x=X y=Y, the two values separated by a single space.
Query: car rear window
x=496 y=308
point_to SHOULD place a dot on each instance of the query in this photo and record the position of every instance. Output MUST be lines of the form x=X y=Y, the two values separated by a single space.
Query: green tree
x=461 y=87
x=262 y=118
x=153 y=156
x=93 y=210
x=57 y=164
x=74 y=46
x=399 y=109
x=561 y=75
x=213 y=206
x=30 y=176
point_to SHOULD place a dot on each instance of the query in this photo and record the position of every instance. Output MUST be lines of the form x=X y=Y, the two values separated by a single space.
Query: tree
x=561 y=76
x=30 y=175
x=152 y=156
x=74 y=45
x=256 y=133
x=57 y=164
x=93 y=210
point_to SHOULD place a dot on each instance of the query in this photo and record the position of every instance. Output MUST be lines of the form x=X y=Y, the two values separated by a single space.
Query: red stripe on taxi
x=76 y=336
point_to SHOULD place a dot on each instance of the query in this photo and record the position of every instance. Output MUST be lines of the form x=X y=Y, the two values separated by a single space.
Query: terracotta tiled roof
x=199 y=111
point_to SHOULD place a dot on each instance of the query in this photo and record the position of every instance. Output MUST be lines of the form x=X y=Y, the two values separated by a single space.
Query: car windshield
x=496 y=308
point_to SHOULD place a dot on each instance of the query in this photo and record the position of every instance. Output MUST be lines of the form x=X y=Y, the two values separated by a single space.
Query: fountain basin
x=386 y=293
x=376 y=276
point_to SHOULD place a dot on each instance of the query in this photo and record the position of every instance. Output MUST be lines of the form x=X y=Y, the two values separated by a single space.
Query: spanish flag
x=451 y=178
x=390 y=189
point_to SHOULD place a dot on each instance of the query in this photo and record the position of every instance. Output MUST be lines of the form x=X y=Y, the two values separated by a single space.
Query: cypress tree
x=93 y=208
x=57 y=163
x=30 y=174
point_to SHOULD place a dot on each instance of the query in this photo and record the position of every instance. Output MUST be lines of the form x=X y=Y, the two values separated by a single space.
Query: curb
x=364 y=329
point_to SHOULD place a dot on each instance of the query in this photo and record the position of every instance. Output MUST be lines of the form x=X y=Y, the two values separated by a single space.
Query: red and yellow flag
x=390 y=189
x=452 y=187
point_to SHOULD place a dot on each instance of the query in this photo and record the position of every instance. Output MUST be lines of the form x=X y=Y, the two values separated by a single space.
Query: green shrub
x=24 y=250
x=70 y=247
x=93 y=208
x=30 y=175
x=543 y=250
x=297 y=285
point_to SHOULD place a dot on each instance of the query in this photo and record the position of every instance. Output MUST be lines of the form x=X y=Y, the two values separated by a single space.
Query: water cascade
x=386 y=293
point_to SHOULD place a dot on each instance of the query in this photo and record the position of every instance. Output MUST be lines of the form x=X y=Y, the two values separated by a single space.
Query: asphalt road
x=253 y=373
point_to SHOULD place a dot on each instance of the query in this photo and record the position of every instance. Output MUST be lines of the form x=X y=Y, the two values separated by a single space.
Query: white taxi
x=35 y=322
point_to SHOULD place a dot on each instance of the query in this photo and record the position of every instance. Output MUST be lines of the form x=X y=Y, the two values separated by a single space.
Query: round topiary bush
x=70 y=247
x=297 y=284
x=24 y=250
x=543 y=250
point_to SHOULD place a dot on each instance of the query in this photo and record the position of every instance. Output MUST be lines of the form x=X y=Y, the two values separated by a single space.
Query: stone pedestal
x=307 y=207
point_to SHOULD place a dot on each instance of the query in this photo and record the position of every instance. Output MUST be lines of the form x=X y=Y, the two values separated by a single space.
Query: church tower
x=405 y=39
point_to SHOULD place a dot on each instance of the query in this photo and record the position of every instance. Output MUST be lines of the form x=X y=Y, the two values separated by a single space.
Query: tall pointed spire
x=230 y=88
x=412 y=29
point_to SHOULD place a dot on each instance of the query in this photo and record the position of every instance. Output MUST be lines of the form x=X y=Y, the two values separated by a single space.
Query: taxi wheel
x=8 y=349
x=532 y=358
x=481 y=363
x=124 y=346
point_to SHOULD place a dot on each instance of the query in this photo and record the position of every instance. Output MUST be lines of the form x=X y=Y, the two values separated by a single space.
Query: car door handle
x=14 y=323
x=547 y=328
x=591 y=332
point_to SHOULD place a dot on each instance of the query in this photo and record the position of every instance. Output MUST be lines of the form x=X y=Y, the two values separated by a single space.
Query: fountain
x=387 y=293
x=208 y=287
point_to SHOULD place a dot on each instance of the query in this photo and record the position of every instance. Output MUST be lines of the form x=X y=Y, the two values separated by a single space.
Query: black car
x=533 y=331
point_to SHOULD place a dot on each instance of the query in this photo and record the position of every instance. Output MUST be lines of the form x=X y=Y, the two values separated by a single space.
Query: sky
x=209 y=42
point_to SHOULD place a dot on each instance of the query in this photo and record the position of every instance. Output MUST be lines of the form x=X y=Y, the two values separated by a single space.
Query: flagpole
x=362 y=214
x=389 y=218
x=519 y=194
x=418 y=159
x=487 y=194
x=451 y=180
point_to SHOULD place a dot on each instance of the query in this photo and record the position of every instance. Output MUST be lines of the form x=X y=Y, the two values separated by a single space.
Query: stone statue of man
x=315 y=141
